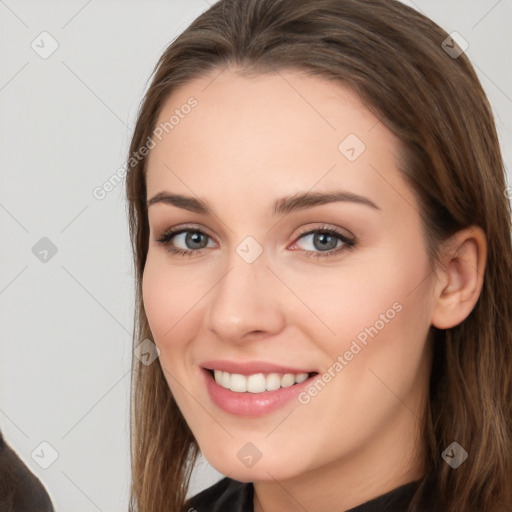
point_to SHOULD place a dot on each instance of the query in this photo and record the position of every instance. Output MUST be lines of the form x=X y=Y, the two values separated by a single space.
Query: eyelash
x=348 y=243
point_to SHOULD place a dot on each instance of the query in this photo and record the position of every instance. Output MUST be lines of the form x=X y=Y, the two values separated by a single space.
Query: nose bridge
x=246 y=298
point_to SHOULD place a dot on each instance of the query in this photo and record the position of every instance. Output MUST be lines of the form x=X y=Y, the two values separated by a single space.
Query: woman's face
x=250 y=177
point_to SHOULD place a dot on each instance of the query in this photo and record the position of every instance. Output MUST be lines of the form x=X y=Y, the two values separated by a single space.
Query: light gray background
x=65 y=125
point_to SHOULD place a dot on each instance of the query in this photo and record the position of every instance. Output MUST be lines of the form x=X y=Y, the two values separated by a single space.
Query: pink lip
x=251 y=367
x=251 y=404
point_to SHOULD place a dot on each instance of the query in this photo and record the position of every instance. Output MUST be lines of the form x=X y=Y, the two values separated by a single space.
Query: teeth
x=273 y=382
x=301 y=377
x=238 y=383
x=288 y=380
x=255 y=383
x=258 y=382
x=225 y=380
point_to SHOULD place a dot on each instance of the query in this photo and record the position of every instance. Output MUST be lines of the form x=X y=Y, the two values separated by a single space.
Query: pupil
x=194 y=238
x=324 y=237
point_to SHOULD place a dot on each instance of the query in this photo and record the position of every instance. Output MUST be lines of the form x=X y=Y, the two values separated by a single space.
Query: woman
x=322 y=242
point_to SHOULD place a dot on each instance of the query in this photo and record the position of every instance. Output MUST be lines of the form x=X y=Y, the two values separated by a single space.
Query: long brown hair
x=393 y=58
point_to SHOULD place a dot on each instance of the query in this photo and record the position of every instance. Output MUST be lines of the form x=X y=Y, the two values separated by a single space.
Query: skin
x=249 y=141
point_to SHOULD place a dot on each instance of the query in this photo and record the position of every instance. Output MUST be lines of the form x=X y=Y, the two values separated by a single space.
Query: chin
x=273 y=467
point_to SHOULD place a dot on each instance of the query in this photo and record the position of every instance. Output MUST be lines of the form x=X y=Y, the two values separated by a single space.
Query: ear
x=460 y=277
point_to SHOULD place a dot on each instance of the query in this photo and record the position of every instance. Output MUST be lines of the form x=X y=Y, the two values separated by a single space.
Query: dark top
x=20 y=489
x=229 y=495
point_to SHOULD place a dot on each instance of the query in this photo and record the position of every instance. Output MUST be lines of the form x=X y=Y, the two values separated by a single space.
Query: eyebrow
x=282 y=206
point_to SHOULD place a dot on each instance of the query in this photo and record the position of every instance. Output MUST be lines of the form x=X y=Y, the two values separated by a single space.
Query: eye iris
x=324 y=239
x=192 y=238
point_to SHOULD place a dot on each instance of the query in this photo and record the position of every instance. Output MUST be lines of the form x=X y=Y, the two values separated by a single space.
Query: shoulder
x=226 y=494
x=20 y=489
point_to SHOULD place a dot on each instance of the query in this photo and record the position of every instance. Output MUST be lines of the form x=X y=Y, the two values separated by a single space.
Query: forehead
x=282 y=131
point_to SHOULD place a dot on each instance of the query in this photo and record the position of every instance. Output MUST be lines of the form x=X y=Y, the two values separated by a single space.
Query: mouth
x=259 y=390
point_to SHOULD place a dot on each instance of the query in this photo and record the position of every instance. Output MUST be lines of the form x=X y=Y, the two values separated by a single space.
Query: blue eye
x=322 y=241
x=324 y=238
x=193 y=237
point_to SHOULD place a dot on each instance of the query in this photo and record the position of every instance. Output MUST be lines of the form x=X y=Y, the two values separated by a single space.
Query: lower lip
x=251 y=404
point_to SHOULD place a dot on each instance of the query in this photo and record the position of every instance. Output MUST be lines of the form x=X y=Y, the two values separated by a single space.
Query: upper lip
x=251 y=367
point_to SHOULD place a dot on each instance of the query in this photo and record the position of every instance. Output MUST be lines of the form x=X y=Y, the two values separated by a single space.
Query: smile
x=253 y=389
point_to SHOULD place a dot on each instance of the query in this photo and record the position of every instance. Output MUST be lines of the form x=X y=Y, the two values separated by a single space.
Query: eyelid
x=306 y=230
x=186 y=227
x=324 y=227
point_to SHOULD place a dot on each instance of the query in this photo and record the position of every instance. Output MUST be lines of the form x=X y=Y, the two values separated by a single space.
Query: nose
x=247 y=302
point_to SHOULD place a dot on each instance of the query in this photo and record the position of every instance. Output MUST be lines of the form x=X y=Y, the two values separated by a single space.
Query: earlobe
x=461 y=278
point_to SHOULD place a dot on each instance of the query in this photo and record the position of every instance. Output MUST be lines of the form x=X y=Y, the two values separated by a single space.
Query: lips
x=253 y=388
x=252 y=367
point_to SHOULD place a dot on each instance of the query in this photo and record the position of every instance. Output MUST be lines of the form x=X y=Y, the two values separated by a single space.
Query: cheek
x=172 y=318
x=374 y=312
x=170 y=302
x=382 y=331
